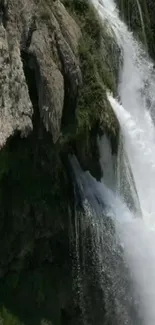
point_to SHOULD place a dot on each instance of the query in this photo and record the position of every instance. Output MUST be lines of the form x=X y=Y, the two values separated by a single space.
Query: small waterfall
x=102 y=261
x=117 y=174
x=140 y=149
x=142 y=21
x=126 y=293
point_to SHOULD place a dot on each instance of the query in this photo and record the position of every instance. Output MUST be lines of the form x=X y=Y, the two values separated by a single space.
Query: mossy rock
x=99 y=57
x=36 y=194
x=35 y=188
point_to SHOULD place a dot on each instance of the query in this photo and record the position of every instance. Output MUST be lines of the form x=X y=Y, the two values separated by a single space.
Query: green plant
x=6 y=318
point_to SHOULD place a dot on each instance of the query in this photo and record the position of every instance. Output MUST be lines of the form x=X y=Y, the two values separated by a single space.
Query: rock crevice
x=49 y=34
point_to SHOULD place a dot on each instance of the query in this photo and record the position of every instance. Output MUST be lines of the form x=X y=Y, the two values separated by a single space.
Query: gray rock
x=50 y=82
x=15 y=104
x=47 y=33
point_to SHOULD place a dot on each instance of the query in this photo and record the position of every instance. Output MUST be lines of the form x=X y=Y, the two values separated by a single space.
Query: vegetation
x=99 y=58
x=6 y=318
x=99 y=61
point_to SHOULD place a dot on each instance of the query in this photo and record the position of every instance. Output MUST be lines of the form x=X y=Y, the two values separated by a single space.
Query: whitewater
x=136 y=116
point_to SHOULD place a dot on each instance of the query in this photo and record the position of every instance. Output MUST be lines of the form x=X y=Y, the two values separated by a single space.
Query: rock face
x=47 y=37
x=54 y=72
x=15 y=105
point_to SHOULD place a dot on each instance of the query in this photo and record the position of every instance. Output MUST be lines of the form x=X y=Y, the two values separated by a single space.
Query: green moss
x=99 y=58
x=99 y=61
x=80 y=7
x=6 y=318
x=93 y=106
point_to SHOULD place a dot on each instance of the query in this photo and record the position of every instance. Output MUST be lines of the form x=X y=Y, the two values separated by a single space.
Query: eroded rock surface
x=15 y=105
x=54 y=72
x=45 y=35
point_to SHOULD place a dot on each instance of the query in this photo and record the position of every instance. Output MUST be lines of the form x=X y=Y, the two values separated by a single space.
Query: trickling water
x=142 y=21
x=125 y=181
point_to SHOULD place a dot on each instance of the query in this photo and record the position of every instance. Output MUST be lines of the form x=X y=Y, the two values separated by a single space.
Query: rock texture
x=46 y=36
x=54 y=73
x=39 y=81
x=15 y=105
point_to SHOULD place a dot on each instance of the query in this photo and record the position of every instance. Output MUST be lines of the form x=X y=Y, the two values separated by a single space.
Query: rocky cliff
x=56 y=62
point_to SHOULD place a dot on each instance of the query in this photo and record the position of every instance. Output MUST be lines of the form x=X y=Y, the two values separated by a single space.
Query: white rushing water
x=136 y=90
x=136 y=115
x=137 y=240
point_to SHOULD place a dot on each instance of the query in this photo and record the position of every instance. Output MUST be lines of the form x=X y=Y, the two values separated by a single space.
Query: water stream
x=136 y=117
x=127 y=193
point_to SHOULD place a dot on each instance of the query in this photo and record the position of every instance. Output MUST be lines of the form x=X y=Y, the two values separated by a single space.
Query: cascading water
x=136 y=91
x=136 y=118
x=117 y=173
x=140 y=150
x=115 y=300
x=129 y=296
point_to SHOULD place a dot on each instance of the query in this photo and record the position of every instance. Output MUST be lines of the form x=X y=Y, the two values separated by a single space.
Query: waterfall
x=136 y=116
x=121 y=201
x=115 y=296
x=117 y=173
x=131 y=285
x=140 y=149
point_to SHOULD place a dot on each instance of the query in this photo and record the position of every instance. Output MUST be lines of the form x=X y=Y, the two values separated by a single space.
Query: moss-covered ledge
x=99 y=58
